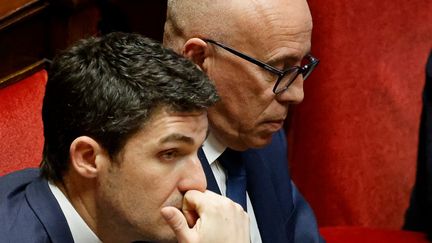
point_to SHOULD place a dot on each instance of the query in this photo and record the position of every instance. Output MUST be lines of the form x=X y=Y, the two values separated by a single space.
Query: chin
x=167 y=235
x=164 y=238
x=160 y=233
x=168 y=240
x=260 y=144
x=259 y=141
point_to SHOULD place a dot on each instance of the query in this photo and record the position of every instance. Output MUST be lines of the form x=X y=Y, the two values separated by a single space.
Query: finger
x=216 y=211
x=191 y=216
x=191 y=205
x=178 y=224
x=195 y=203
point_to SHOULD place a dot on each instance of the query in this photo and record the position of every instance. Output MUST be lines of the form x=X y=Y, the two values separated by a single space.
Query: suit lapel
x=268 y=212
x=211 y=180
x=266 y=170
x=45 y=206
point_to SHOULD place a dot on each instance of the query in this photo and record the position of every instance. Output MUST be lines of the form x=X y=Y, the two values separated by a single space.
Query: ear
x=195 y=50
x=84 y=153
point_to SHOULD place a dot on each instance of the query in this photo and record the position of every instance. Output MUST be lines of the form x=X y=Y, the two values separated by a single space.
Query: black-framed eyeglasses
x=285 y=77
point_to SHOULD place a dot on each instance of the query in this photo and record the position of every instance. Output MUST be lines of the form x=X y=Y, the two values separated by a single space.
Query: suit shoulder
x=16 y=180
x=13 y=185
x=16 y=215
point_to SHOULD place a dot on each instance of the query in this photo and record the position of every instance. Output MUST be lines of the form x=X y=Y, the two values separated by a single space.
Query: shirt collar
x=212 y=148
x=81 y=232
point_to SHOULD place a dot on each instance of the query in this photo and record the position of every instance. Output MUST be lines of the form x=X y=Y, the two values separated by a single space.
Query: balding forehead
x=197 y=17
x=221 y=18
x=264 y=15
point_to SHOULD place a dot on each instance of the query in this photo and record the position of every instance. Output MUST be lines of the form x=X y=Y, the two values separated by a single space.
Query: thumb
x=178 y=224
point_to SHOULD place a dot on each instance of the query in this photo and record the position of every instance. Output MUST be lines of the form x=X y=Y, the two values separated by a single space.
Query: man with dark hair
x=123 y=121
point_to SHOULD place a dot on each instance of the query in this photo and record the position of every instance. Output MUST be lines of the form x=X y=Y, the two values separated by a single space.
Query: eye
x=269 y=77
x=169 y=154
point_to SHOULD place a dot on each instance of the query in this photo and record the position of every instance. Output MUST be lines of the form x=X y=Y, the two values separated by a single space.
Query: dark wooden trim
x=22 y=13
x=8 y=8
x=34 y=32
x=23 y=73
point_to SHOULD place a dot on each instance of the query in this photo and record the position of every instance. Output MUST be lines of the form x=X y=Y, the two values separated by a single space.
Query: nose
x=294 y=94
x=193 y=176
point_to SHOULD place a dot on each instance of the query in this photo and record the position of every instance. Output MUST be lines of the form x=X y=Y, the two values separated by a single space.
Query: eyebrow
x=275 y=60
x=176 y=137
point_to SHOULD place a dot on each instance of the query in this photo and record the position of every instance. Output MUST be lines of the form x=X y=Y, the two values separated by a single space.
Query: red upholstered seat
x=21 y=129
x=354 y=138
x=370 y=235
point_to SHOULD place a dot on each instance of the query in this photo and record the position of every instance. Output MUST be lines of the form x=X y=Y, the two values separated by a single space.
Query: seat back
x=21 y=129
x=355 y=136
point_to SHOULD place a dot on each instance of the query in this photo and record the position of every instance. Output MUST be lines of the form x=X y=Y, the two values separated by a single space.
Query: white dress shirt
x=213 y=149
x=81 y=232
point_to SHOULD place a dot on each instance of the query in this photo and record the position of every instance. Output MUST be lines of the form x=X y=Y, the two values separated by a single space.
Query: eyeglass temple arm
x=246 y=57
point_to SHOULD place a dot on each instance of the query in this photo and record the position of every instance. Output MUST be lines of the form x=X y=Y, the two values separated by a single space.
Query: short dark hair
x=107 y=87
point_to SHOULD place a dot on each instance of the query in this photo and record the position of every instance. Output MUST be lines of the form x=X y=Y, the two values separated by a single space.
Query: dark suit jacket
x=419 y=213
x=29 y=211
x=282 y=214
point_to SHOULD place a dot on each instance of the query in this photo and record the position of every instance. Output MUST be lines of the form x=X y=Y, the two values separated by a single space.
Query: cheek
x=237 y=93
x=160 y=183
x=244 y=97
x=245 y=86
x=138 y=200
x=152 y=190
x=134 y=188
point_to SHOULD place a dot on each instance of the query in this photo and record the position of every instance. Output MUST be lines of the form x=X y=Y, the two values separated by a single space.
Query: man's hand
x=212 y=219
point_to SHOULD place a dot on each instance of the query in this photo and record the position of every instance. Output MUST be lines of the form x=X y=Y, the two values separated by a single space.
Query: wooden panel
x=23 y=41
x=8 y=7
x=65 y=29
x=36 y=31
x=145 y=17
x=24 y=12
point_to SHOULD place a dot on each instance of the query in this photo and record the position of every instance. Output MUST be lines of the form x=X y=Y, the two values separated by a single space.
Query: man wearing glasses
x=258 y=55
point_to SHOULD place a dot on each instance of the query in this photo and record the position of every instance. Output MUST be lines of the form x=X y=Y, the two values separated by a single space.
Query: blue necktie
x=236 y=176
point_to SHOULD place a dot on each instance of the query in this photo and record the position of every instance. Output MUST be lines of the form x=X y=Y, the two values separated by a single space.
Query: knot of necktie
x=236 y=176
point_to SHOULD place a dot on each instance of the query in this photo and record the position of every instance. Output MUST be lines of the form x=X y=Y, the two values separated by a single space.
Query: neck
x=81 y=197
